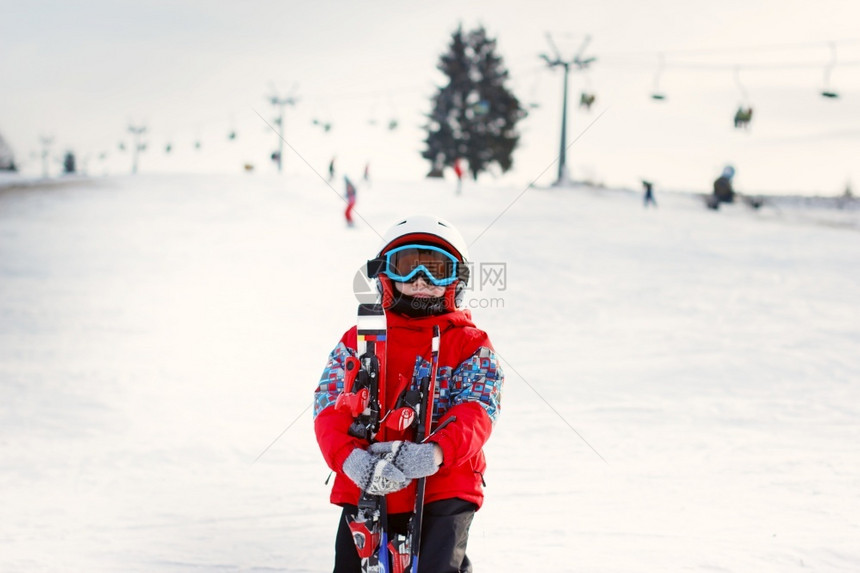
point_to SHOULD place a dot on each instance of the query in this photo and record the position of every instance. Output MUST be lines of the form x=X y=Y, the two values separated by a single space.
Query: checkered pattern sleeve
x=479 y=379
x=331 y=383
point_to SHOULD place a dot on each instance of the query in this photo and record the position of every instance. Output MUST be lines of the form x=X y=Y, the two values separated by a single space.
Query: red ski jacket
x=468 y=387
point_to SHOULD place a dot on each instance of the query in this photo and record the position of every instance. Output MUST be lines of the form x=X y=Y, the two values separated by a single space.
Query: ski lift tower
x=136 y=131
x=279 y=102
x=46 y=142
x=580 y=63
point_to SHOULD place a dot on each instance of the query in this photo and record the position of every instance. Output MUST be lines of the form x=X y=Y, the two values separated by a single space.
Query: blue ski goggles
x=405 y=264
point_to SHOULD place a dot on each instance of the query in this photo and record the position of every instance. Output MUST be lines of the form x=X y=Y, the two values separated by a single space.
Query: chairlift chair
x=586 y=100
x=743 y=116
x=744 y=113
x=656 y=94
x=827 y=92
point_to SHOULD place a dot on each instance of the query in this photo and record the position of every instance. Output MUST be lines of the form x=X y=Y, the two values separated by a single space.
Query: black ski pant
x=444 y=534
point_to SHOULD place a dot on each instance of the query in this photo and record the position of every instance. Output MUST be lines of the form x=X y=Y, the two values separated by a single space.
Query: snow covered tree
x=474 y=116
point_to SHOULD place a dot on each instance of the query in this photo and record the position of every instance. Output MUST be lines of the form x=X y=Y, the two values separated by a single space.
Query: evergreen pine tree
x=474 y=116
x=69 y=163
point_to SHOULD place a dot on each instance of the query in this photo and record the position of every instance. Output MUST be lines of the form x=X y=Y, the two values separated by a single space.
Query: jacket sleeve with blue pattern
x=331 y=426
x=471 y=393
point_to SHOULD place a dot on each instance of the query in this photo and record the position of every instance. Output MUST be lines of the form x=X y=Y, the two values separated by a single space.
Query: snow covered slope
x=681 y=387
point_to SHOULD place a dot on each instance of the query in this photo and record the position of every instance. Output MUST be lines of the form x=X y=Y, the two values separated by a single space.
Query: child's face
x=420 y=288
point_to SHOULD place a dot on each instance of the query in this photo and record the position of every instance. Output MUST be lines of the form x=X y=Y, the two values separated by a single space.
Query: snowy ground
x=158 y=333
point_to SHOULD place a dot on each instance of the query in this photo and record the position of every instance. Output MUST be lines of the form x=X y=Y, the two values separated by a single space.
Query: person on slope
x=421 y=271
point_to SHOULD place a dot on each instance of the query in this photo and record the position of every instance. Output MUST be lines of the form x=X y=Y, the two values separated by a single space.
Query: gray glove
x=413 y=460
x=374 y=474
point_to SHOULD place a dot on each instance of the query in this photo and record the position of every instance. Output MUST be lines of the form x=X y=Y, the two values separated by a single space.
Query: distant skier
x=350 y=200
x=723 y=190
x=458 y=171
x=649 y=194
x=331 y=170
x=422 y=275
x=367 y=172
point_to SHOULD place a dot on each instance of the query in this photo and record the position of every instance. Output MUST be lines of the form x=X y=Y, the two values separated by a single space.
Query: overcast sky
x=192 y=71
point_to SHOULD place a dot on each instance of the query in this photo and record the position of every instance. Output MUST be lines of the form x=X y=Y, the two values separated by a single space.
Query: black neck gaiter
x=417 y=307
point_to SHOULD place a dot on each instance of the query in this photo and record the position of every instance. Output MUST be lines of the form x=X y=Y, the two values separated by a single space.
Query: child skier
x=421 y=273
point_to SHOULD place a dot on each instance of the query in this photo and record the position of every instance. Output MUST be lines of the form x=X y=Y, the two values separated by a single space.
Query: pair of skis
x=363 y=391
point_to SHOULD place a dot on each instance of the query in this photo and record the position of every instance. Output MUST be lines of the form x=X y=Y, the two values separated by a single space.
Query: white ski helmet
x=427 y=230
x=413 y=227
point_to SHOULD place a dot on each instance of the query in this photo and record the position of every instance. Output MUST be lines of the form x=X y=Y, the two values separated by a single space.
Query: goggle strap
x=463 y=272
x=375 y=267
